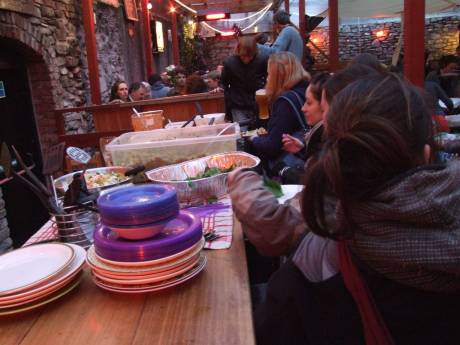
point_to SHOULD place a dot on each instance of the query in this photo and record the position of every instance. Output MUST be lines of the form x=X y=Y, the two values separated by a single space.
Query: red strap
x=375 y=330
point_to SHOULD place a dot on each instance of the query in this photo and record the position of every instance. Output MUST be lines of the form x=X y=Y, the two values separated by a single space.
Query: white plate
x=289 y=191
x=152 y=262
x=27 y=267
x=154 y=287
x=49 y=286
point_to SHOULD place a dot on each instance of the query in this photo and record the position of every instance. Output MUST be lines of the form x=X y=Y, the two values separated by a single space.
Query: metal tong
x=35 y=185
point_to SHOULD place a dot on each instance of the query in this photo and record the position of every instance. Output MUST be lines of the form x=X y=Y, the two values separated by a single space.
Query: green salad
x=208 y=172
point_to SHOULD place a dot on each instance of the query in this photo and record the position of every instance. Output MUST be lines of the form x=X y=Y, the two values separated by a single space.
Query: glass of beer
x=262 y=102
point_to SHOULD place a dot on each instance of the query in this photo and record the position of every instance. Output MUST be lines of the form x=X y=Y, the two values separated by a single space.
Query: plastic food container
x=219 y=118
x=172 y=145
x=199 y=191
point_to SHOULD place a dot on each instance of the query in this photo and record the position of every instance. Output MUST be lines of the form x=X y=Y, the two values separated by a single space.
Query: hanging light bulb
x=172 y=9
x=149 y=6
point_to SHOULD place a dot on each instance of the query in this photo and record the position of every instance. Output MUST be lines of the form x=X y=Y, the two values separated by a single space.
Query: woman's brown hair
x=284 y=72
x=376 y=129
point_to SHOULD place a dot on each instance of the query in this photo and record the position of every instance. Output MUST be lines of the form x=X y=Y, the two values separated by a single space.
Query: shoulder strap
x=300 y=118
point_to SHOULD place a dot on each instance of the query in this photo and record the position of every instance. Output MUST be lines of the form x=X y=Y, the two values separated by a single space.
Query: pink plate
x=154 y=287
x=187 y=263
x=151 y=262
x=153 y=278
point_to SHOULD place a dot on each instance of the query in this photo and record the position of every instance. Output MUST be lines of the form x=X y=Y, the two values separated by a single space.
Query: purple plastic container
x=138 y=205
x=178 y=235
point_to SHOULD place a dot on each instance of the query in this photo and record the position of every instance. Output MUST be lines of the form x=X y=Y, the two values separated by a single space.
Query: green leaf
x=273 y=187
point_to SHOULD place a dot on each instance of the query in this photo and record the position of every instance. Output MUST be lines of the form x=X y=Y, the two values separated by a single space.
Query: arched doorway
x=20 y=68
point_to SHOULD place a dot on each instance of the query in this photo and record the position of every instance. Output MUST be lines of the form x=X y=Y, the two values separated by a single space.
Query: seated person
x=447 y=76
x=158 y=88
x=195 y=84
x=137 y=92
x=385 y=263
x=119 y=92
x=285 y=89
x=214 y=82
x=179 y=83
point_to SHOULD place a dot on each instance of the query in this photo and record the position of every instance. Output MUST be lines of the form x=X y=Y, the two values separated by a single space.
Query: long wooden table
x=212 y=308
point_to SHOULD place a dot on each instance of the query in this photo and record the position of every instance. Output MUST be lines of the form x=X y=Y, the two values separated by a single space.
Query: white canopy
x=370 y=8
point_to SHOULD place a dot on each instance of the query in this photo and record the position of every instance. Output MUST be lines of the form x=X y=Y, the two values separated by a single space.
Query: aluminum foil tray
x=201 y=191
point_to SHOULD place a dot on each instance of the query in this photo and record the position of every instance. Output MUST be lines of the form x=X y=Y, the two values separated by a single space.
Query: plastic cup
x=147 y=120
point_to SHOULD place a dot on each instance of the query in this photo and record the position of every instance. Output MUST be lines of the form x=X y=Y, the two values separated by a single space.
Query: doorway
x=25 y=214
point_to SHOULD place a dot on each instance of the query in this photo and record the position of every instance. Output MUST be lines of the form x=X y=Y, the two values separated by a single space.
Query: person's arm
x=272 y=228
x=281 y=43
x=226 y=82
x=443 y=97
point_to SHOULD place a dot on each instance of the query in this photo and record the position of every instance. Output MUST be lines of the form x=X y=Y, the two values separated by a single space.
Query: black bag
x=290 y=160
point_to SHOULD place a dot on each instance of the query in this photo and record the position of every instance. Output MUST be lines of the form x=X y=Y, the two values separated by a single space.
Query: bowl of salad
x=96 y=179
x=203 y=180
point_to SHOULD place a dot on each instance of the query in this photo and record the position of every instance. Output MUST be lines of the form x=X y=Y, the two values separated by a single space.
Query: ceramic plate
x=46 y=300
x=154 y=287
x=27 y=267
x=151 y=262
x=289 y=191
x=94 y=262
x=161 y=276
x=48 y=286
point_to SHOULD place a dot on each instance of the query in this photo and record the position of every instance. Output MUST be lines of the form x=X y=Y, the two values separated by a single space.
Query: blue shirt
x=288 y=40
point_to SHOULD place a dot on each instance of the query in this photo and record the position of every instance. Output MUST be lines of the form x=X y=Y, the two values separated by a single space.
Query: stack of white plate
x=146 y=276
x=36 y=275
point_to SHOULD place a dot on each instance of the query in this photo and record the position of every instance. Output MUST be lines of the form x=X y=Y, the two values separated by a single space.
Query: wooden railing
x=115 y=119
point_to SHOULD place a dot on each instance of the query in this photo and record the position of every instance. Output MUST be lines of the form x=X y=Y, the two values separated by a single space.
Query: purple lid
x=179 y=234
x=138 y=205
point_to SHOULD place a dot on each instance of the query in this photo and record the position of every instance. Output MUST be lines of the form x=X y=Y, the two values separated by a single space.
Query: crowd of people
x=165 y=85
x=373 y=242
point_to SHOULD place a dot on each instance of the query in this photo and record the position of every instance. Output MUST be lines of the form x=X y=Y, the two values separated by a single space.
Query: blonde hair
x=284 y=72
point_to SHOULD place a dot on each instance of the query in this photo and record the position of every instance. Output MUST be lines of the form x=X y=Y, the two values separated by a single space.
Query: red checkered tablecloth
x=215 y=217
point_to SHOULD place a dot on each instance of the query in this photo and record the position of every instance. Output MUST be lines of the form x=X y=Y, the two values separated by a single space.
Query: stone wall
x=219 y=49
x=53 y=29
x=47 y=39
x=441 y=38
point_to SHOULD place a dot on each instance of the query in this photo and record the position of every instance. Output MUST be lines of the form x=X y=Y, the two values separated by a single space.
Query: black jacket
x=241 y=81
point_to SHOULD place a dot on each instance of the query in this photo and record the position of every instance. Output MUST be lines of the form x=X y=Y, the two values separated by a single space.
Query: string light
x=172 y=9
x=149 y=6
x=266 y=8
x=185 y=6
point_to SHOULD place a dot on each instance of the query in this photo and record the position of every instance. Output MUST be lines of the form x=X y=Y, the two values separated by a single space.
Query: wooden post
x=147 y=38
x=302 y=25
x=91 y=50
x=414 y=41
x=286 y=5
x=333 y=35
x=175 y=41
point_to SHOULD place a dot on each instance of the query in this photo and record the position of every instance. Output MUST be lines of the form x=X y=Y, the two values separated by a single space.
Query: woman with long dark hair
x=382 y=267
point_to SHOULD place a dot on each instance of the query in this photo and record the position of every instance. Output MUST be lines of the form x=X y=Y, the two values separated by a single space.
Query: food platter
x=96 y=179
x=189 y=181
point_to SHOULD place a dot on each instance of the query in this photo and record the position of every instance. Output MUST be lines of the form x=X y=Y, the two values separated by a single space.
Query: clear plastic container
x=166 y=146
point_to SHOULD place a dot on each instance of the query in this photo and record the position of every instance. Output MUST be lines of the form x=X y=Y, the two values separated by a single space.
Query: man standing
x=243 y=74
x=289 y=38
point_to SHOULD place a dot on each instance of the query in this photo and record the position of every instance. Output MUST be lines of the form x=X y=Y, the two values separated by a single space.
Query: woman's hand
x=291 y=144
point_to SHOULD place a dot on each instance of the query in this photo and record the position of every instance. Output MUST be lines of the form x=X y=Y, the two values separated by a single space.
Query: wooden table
x=213 y=308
